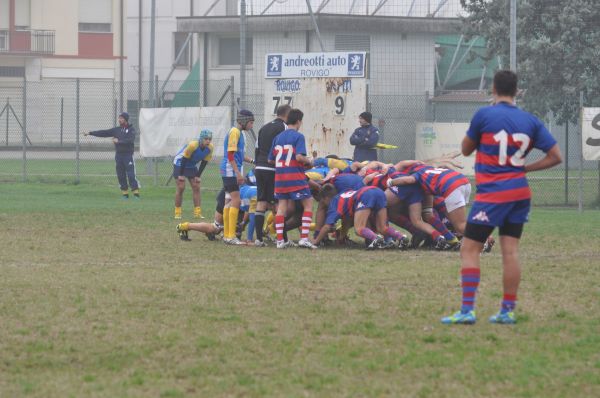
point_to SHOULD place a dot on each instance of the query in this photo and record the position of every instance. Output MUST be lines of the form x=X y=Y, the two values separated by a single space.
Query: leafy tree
x=558 y=49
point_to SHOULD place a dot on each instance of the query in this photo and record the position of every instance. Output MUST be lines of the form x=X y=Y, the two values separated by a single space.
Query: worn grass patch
x=98 y=297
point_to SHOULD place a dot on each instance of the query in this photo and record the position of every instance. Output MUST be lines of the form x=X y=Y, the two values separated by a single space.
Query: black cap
x=244 y=116
x=125 y=116
x=367 y=116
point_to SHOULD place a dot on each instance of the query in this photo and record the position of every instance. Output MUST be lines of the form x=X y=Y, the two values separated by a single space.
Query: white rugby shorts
x=458 y=198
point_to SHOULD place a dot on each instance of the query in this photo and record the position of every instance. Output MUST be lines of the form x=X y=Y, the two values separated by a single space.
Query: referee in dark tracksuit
x=264 y=171
x=123 y=137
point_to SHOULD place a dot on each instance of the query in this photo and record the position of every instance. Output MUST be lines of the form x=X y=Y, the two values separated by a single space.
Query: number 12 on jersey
x=518 y=159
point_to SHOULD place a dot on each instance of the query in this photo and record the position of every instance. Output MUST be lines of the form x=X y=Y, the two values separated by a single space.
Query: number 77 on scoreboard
x=330 y=88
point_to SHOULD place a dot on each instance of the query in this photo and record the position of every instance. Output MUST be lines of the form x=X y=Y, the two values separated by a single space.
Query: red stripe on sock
x=306 y=219
x=279 y=223
x=470 y=272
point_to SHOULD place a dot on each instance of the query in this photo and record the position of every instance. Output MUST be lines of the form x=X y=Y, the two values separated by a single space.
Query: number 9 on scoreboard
x=330 y=105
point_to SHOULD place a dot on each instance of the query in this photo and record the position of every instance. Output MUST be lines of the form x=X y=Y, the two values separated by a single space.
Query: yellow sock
x=271 y=223
x=226 y=223
x=135 y=192
x=184 y=226
x=178 y=212
x=125 y=192
x=233 y=216
x=197 y=212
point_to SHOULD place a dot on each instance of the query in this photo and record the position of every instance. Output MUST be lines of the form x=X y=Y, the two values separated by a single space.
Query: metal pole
x=24 y=130
x=183 y=48
x=232 y=94
x=513 y=35
x=77 y=131
x=190 y=60
x=316 y=26
x=205 y=70
x=140 y=74
x=152 y=38
x=155 y=171
x=211 y=7
x=580 y=199
x=269 y=6
x=62 y=119
x=243 y=26
x=122 y=55
x=156 y=102
x=567 y=162
x=598 y=200
x=7 y=109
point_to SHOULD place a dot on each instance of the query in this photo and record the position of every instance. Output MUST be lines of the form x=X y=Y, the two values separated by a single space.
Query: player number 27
x=518 y=159
x=288 y=158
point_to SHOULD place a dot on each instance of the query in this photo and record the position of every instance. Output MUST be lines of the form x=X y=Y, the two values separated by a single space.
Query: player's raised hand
x=85 y=133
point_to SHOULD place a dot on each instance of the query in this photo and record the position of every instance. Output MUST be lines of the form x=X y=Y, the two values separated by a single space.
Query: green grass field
x=99 y=298
x=548 y=186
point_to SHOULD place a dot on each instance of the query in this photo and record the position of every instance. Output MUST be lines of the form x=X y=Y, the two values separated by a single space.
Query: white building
x=400 y=43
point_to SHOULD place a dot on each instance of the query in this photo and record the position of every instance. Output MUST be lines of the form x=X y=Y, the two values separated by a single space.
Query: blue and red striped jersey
x=344 y=204
x=437 y=181
x=289 y=173
x=505 y=135
x=347 y=181
x=380 y=180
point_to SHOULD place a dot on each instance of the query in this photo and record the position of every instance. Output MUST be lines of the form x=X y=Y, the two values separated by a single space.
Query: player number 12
x=518 y=159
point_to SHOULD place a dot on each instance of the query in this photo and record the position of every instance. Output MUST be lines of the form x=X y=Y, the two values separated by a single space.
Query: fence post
x=231 y=85
x=580 y=198
x=24 y=130
x=77 y=131
x=156 y=103
x=7 y=111
x=62 y=113
x=155 y=171
x=598 y=199
x=567 y=162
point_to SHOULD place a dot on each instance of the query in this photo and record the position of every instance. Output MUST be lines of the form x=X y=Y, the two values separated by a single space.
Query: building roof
x=326 y=22
x=463 y=96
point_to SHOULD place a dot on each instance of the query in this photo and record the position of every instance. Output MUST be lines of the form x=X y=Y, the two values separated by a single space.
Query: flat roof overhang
x=326 y=22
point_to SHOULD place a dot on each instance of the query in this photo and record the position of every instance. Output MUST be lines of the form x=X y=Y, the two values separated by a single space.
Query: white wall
x=398 y=66
x=166 y=24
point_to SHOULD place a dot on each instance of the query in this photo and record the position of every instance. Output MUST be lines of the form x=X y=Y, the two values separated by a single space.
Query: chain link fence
x=430 y=66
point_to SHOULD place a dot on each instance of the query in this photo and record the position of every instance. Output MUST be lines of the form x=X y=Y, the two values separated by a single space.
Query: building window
x=179 y=39
x=4 y=14
x=95 y=27
x=229 y=51
x=22 y=14
x=12 y=71
x=4 y=40
x=352 y=43
x=95 y=16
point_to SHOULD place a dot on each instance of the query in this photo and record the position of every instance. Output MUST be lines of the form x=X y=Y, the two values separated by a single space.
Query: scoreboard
x=331 y=90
